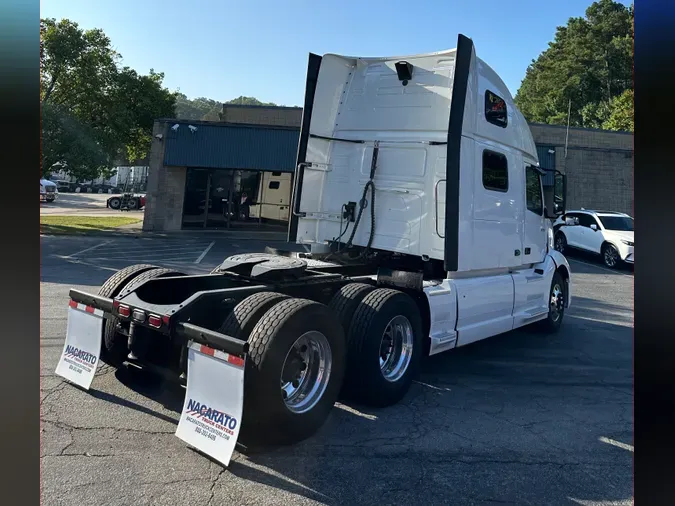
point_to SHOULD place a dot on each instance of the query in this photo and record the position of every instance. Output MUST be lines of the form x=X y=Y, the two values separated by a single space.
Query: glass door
x=221 y=192
x=194 y=203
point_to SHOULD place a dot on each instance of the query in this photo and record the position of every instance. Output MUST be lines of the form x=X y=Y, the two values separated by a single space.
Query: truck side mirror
x=594 y=227
x=555 y=196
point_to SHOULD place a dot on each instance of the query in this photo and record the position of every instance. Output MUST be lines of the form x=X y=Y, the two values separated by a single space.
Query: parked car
x=607 y=233
x=63 y=186
x=48 y=191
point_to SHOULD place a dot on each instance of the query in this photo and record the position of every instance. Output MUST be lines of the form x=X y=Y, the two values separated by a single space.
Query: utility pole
x=567 y=134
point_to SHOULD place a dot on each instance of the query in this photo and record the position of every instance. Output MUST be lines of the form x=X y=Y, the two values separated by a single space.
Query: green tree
x=589 y=62
x=94 y=112
x=206 y=109
x=249 y=101
x=201 y=108
x=621 y=117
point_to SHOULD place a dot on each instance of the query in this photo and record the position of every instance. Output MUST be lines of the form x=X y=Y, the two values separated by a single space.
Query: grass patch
x=82 y=224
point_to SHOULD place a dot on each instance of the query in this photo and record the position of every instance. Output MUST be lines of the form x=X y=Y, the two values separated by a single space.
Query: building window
x=495 y=110
x=495 y=172
x=274 y=185
x=535 y=201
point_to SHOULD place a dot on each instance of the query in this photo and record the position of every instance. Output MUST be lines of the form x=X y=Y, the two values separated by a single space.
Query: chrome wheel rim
x=557 y=302
x=396 y=348
x=610 y=257
x=306 y=372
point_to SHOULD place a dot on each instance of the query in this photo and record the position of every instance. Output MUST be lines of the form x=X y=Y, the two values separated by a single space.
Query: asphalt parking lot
x=83 y=204
x=516 y=419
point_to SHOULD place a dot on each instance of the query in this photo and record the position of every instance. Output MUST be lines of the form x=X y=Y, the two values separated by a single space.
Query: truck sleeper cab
x=446 y=166
x=419 y=196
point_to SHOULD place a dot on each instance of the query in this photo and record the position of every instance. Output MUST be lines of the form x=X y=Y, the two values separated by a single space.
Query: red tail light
x=123 y=311
x=154 y=321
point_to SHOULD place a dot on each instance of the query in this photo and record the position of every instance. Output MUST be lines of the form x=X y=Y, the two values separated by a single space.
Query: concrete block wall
x=165 y=190
x=261 y=115
x=599 y=166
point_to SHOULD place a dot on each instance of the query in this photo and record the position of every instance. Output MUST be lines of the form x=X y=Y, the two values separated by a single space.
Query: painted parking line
x=88 y=249
x=600 y=267
x=186 y=254
x=205 y=252
x=618 y=444
x=149 y=252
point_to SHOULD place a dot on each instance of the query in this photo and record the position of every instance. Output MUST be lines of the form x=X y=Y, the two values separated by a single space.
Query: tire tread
x=346 y=301
x=238 y=324
x=117 y=281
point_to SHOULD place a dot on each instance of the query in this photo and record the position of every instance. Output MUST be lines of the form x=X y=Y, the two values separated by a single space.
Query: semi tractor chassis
x=309 y=331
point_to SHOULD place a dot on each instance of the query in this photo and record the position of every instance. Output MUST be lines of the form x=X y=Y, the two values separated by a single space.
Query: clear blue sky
x=221 y=49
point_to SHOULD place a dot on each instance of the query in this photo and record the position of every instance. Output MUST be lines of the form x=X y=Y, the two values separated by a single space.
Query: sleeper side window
x=274 y=185
x=535 y=201
x=495 y=172
x=495 y=110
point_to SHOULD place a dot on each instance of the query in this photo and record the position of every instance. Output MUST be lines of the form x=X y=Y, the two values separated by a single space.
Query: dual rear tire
x=295 y=365
x=366 y=344
x=384 y=342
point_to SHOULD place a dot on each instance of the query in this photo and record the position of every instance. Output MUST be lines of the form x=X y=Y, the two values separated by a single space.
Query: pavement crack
x=212 y=492
x=66 y=426
x=54 y=390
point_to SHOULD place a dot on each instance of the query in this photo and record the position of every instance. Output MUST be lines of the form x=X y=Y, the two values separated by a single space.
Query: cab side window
x=533 y=196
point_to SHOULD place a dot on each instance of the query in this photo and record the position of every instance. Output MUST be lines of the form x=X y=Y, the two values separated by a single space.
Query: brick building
x=254 y=148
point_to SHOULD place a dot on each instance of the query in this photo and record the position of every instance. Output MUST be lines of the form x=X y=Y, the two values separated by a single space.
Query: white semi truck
x=419 y=199
x=48 y=190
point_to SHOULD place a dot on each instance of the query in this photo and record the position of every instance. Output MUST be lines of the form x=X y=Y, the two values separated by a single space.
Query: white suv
x=606 y=233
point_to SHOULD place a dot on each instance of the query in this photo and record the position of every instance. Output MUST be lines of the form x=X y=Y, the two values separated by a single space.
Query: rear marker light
x=165 y=319
x=139 y=315
x=124 y=311
x=73 y=304
x=154 y=321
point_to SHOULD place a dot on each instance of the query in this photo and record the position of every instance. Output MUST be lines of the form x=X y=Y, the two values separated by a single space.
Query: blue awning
x=229 y=146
